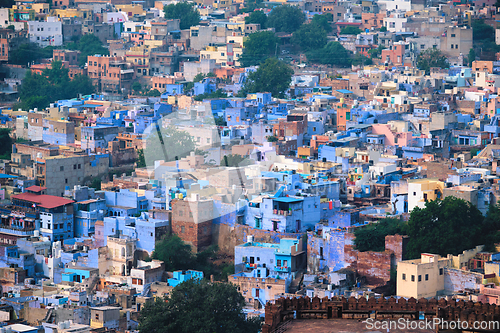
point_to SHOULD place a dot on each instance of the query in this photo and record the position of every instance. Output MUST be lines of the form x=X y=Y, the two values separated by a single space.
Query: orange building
x=372 y=21
x=160 y=81
x=395 y=55
x=343 y=115
x=110 y=74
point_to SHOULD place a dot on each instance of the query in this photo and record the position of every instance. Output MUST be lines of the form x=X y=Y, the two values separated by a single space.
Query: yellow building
x=226 y=55
x=131 y=9
x=41 y=8
x=86 y=14
x=422 y=190
x=422 y=277
x=139 y=56
x=105 y=316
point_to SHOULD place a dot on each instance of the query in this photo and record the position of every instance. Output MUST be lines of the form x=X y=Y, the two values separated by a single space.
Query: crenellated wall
x=286 y=309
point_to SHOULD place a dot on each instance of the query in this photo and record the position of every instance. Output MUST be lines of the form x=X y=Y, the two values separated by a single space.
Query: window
x=278 y=262
x=451 y=45
x=452 y=35
x=258 y=258
x=440 y=271
x=61 y=168
x=419 y=278
x=97 y=316
x=413 y=278
x=426 y=277
x=183 y=229
x=403 y=276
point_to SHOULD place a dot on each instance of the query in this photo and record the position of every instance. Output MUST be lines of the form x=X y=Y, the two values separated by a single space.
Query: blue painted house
x=182 y=276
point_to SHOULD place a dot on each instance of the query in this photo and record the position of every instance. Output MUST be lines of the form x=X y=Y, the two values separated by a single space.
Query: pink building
x=392 y=137
x=489 y=293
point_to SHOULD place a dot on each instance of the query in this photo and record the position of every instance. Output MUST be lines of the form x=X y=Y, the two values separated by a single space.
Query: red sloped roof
x=44 y=201
x=35 y=188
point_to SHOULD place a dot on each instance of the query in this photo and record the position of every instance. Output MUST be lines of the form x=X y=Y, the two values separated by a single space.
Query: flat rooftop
x=340 y=325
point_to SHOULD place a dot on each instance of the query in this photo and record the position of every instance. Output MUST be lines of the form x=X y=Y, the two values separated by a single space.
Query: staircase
x=146 y=290
x=93 y=283
x=48 y=317
x=295 y=284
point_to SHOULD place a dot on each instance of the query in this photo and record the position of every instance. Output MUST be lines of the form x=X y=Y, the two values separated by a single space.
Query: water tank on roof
x=250 y=239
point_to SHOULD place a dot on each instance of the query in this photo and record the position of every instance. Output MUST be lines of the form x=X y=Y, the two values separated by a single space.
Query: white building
x=396 y=22
x=46 y=33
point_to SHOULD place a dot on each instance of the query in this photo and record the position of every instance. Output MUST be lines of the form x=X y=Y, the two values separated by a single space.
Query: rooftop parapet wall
x=352 y=308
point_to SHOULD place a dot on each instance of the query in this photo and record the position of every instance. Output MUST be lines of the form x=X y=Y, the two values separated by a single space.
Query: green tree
x=169 y=144
x=141 y=161
x=324 y=21
x=350 y=30
x=259 y=46
x=251 y=6
x=332 y=54
x=136 y=86
x=37 y=91
x=272 y=138
x=199 y=77
x=431 y=58
x=88 y=45
x=257 y=17
x=219 y=93
x=96 y=183
x=176 y=254
x=234 y=160
x=272 y=76
x=471 y=57
x=81 y=84
x=29 y=52
x=217 y=307
x=360 y=59
x=6 y=3
x=286 y=18
x=376 y=53
x=310 y=37
x=491 y=228
x=186 y=12
x=154 y=93
x=220 y=121
x=383 y=29
x=372 y=236
x=5 y=143
x=445 y=226
x=11 y=27
x=482 y=31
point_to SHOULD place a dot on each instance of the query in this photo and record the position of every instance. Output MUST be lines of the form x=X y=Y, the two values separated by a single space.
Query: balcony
x=17 y=231
x=282 y=212
x=282 y=269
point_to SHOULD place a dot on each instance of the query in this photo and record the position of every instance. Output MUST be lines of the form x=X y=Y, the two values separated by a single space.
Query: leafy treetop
x=257 y=17
x=198 y=307
x=272 y=76
x=37 y=91
x=431 y=58
x=286 y=18
x=186 y=12
x=258 y=47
